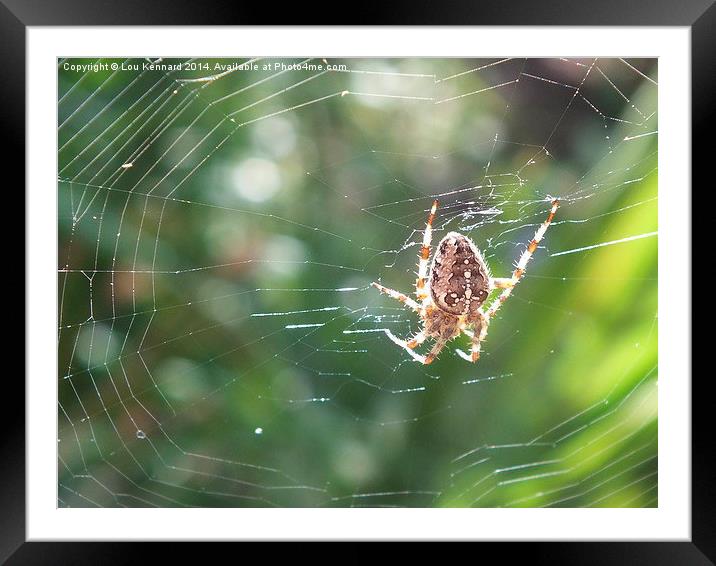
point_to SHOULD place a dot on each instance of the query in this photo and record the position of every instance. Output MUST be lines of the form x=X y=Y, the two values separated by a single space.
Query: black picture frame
x=699 y=15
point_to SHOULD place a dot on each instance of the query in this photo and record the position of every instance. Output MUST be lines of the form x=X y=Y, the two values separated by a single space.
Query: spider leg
x=521 y=264
x=437 y=347
x=416 y=340
x=478 y=336
x=407 y=346
x=397 y=296
x=420 y=290
x=502 y=282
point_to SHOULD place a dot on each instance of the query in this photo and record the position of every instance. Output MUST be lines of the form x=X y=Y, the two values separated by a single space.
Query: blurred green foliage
x=219 y=344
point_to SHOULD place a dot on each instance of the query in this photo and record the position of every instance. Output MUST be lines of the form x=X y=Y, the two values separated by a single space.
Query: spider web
x=219 y=228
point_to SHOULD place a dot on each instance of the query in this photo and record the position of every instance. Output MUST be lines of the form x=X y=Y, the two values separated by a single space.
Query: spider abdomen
x=459 y=277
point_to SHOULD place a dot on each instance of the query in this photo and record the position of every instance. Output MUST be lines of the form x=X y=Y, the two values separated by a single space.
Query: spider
x=459 y=284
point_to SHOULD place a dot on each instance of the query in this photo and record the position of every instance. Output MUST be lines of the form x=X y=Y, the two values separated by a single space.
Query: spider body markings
x=459 y=283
